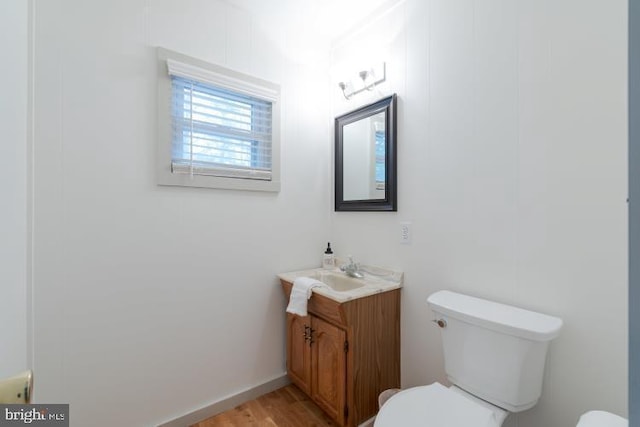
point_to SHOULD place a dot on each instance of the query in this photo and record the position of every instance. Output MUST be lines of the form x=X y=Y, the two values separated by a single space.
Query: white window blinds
x=221 y=126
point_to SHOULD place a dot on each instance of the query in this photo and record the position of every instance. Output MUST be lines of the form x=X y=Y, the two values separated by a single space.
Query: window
x=381 y=149
x=218 y=128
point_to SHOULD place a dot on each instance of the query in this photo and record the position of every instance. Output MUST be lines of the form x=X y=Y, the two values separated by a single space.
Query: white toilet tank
x=494 y=351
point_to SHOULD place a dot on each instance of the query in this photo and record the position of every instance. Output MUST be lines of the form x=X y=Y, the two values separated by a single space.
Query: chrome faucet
x=352 y=269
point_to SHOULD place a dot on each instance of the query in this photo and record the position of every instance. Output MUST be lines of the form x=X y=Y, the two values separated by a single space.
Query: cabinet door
x=329 y=362
x=299 y=352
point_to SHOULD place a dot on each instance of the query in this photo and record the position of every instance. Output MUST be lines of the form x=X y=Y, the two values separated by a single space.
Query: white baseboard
x=229 y=402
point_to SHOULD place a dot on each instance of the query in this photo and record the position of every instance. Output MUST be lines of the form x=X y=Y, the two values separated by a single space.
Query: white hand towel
x=300 y=293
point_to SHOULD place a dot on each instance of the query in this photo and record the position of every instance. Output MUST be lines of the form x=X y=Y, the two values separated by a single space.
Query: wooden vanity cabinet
x=299 y=351
x=343 y=355
x=316 y=361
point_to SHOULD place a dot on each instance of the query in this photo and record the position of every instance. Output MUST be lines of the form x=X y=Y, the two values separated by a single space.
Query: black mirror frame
x=390 y=201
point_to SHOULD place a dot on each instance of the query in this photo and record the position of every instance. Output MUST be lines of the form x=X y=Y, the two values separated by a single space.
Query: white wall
x=13 y=187
x=151 y=302
x=512 y=169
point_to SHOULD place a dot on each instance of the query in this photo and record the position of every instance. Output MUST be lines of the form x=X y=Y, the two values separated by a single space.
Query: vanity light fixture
x=343 y=87
x=366 y=80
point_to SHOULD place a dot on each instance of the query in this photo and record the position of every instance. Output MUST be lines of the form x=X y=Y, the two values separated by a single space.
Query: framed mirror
x=365 y=169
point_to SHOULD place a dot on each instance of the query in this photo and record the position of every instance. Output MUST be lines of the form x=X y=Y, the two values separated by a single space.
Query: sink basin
x=337 y=281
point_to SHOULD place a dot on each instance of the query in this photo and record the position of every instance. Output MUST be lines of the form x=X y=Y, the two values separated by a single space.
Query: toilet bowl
x=494 y=357
x=601 y=419
x=438 y=406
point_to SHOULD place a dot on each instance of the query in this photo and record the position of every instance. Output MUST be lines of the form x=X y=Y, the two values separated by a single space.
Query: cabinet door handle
x=311 y=331
x=307 y=335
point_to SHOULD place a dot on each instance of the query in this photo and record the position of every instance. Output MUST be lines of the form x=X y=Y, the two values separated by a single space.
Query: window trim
x=185 y=66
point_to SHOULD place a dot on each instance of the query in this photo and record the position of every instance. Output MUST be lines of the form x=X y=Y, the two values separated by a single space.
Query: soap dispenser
x=328 y=260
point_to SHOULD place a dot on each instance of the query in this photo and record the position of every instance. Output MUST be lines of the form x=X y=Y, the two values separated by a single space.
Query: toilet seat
x=436 y=406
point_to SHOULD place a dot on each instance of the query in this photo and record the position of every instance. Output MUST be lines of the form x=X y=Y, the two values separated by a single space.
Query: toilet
x=494 y=357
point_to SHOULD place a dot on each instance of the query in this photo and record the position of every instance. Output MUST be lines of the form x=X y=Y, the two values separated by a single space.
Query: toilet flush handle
x=440 y=322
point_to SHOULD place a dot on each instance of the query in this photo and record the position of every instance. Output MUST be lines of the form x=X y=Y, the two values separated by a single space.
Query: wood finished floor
x=285 y=407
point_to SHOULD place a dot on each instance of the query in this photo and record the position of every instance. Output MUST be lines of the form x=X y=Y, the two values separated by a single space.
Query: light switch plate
x=405 y=233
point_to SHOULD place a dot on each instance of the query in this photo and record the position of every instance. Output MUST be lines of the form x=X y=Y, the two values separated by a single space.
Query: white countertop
x=375 y=280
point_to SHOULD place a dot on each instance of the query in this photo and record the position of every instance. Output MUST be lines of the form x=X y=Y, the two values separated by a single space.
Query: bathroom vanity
x=346 y=351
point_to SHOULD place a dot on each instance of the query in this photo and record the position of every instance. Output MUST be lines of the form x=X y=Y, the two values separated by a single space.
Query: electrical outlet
x=405 y=233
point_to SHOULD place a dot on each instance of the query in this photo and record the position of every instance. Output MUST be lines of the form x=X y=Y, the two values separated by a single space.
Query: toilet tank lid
x=495 y=316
